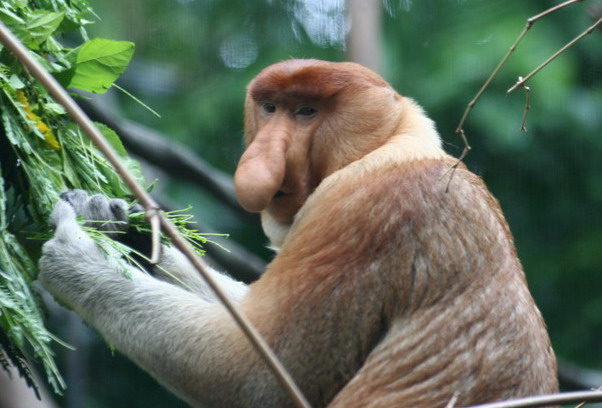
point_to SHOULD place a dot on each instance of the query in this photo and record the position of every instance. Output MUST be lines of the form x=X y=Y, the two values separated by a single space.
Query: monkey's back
x=465 y=325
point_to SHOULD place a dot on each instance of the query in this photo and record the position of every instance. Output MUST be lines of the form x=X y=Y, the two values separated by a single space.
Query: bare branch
x=521 y=81
x=547 y=400
x=551 y=10
x=574 y=377
x=61 y=96
x=453 y=168
x=475 y=99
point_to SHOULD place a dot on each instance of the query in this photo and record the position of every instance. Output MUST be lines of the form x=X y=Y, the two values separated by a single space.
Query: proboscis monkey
x=386 y=291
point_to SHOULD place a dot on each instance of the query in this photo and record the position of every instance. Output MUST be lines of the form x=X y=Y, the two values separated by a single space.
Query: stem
x=61 y=96
x=527 y=107
x=473 y=102
x=547 y=400
x=553 y=9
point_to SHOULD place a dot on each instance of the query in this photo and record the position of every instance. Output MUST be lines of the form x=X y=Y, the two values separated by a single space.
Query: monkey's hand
x=111 y=216
x=100 y=212
x=71 y=259
x=73 y=250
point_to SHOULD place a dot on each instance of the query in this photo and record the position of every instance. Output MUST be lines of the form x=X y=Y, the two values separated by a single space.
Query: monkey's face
x=304 y=120
x=276 y=172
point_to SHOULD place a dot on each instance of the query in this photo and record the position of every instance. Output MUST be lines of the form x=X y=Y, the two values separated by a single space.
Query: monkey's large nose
x=259 y=176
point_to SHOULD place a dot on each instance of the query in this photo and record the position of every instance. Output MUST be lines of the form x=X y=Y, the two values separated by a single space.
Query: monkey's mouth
x=280 y=193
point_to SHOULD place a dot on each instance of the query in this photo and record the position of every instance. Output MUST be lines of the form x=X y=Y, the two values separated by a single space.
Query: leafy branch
x=42 y=154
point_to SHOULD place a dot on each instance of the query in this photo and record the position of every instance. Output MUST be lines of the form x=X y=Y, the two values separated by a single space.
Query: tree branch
x=167 y=154
x=475 y=99
x=575 y=377
x=521 y=81
x=547 y=400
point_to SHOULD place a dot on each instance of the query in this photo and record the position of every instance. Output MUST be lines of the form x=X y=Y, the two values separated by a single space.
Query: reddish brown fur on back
x=419 y=292
x=388 y=291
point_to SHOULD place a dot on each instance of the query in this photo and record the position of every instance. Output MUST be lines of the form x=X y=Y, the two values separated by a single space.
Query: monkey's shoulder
x=400 y=202
x=443 y=195
x=436 y=183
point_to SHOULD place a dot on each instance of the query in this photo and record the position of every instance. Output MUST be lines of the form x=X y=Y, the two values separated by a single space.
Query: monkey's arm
x=173 y=266
x=187 y=342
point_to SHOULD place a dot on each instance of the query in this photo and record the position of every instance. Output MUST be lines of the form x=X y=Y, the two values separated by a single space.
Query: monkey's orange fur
x=387 y=290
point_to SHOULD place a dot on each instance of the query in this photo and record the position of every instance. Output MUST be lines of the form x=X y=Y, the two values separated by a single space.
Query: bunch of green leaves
x=42 y=154
x=183 y=221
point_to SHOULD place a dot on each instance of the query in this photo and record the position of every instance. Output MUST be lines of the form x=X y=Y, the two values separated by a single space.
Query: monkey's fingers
x=67 y=230
x=100 y=211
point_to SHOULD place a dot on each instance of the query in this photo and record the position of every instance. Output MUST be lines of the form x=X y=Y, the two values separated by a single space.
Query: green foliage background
x=548 y=179
x=195 y=57
x=439 y=52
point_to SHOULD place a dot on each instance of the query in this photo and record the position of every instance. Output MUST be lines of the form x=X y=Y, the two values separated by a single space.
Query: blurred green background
x=194 y=58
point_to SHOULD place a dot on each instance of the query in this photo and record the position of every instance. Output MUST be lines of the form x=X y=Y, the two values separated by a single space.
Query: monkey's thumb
x=260 y=174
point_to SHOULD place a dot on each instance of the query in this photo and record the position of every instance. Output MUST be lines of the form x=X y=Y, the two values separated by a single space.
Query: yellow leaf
x=49 y=137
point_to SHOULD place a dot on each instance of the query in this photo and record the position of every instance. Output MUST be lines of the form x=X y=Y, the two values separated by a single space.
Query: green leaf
x=112 y=138
x=132 y=165
x=98 y=63
x=54 y=108
x=43 y=24
x=16 y=82
x=8 y=17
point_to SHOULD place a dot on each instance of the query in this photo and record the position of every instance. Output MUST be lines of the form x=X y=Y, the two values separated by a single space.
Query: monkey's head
x=304 y=120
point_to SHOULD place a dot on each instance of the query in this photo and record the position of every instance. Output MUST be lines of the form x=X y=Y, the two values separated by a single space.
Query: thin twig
x=61 y=96
x=475 y=99
x=589 y=30
x=527 y=107
x=553 y=9
x=547 y=400
x=464 y=153
x=584 y=403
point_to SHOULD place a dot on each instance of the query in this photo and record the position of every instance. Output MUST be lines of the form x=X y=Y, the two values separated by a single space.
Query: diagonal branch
x=178 y=162
x=521 y=81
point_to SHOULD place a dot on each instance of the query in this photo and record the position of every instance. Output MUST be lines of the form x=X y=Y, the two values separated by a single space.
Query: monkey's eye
x=269 y=107
x=306 y=111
